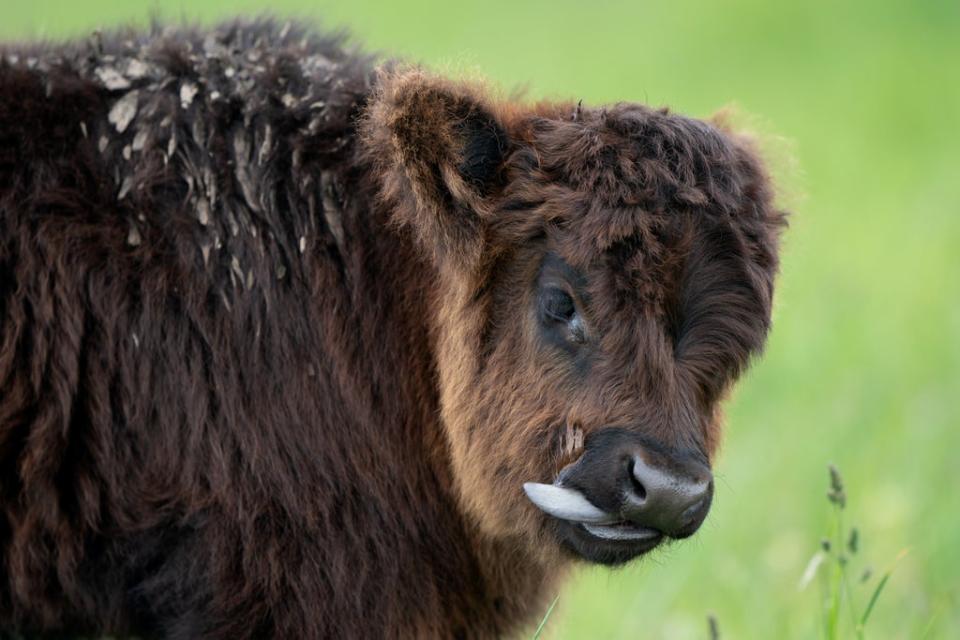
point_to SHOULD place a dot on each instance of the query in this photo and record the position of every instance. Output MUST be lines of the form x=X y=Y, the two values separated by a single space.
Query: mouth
x=590 y=532
x=622 y=532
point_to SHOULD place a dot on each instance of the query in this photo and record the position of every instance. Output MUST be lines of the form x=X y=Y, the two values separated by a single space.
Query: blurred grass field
x=859 y=103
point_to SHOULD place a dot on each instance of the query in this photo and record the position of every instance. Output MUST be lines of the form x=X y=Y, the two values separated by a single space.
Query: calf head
x=602 y=277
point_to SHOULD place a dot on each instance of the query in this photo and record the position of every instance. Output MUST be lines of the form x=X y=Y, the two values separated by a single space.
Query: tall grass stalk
x=832 y=564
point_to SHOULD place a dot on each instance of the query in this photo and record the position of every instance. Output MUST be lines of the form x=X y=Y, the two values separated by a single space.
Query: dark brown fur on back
x=232 y=352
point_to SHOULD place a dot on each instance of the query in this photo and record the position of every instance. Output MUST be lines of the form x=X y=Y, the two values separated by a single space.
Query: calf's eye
x=557 y=305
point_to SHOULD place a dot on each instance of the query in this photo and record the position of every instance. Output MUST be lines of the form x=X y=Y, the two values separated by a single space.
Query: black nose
x=672 y=498
x=641 y=481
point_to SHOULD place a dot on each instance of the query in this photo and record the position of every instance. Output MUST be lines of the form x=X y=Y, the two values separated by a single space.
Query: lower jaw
x=584 y=545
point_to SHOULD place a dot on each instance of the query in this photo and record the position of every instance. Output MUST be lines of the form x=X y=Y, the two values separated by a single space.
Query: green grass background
x=860 y=105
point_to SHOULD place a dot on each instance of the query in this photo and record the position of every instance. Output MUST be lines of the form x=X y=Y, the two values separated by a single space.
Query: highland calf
x=293 y=347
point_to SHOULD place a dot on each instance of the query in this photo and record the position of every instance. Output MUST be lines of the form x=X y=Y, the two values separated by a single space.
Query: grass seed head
x=714 y=627
x=836 y=481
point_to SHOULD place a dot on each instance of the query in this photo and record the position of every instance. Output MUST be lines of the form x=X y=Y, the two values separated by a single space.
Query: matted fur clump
x=273 y=353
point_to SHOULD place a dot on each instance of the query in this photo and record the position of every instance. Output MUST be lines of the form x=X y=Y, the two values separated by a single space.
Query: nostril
x=695 y=510
x=694 y=514
x=671 y=499
x=639 y=490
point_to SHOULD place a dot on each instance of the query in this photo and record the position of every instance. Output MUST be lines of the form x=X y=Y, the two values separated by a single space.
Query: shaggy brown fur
x=269 y=365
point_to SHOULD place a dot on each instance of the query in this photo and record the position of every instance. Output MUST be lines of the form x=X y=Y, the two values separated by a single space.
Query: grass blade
x=543 y=623
x=873 y=599
x=811 y=571
x=879 y=589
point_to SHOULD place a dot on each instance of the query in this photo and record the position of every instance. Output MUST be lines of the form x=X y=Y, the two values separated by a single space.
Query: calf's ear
x=438 y=148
